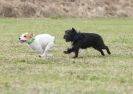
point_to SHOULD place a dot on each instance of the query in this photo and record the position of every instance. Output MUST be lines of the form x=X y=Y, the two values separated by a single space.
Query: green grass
x=23 y=72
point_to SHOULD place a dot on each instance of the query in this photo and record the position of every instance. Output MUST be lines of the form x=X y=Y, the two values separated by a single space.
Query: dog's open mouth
x=22 y=41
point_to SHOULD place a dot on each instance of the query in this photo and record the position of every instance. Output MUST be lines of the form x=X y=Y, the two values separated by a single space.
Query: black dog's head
x=70 y=34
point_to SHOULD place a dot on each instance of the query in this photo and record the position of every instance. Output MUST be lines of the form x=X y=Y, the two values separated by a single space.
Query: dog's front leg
x=69 y=50
x=73 y=49
x=76 y=52
x=43 y=55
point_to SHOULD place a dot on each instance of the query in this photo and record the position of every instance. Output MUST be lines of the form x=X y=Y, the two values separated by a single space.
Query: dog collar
x=76 y=37
x=30 y=41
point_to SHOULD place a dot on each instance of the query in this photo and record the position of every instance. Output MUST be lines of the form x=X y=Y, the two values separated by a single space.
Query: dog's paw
x=40 y=56
x=43 y=56
x=74 y=57
x=65 y=52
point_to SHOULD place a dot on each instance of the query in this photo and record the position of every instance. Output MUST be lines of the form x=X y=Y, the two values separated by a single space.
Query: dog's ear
x=73 y=29
x=30 y=35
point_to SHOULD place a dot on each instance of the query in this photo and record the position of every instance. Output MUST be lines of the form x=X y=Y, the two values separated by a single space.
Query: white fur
x=41 y=44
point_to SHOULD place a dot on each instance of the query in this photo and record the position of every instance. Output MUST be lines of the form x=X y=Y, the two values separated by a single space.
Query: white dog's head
x=25 y=37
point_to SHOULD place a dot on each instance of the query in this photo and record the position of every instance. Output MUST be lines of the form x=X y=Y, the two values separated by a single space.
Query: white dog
x=40 y=43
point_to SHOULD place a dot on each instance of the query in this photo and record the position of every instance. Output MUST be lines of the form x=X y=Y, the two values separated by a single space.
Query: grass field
x=23 y=72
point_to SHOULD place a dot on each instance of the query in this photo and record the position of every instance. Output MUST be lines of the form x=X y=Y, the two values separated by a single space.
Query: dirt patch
x=75 y=8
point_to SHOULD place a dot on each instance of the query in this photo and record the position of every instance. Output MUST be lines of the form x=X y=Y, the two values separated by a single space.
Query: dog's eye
x=24 y=36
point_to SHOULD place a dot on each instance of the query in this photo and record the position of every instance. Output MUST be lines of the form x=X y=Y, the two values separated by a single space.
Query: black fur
x=83 y=41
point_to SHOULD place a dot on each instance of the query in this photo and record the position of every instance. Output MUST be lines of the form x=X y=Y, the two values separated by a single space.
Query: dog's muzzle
x=64 y=37
x=21 y=41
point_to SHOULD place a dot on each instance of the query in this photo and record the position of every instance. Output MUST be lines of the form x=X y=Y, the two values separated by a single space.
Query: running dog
x=40 y=43
x=83 y=41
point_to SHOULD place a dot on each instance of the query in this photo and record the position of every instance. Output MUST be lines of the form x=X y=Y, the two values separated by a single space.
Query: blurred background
x=66 y=8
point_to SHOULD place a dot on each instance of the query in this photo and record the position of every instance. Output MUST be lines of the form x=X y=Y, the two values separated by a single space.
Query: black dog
x=83 y=41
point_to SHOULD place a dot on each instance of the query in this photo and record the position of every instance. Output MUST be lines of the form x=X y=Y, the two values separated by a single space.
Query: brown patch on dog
x=28 y=36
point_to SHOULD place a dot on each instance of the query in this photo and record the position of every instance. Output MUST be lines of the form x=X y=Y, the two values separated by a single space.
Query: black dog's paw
x=66 y=52
x=74 y=57
x=109 y=53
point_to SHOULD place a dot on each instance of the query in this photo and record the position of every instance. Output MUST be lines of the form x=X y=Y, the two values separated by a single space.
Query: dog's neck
x=31 y=41
x=76 y=37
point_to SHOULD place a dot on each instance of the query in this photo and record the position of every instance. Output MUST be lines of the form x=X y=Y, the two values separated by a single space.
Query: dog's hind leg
x=100 y=50
x=48 y=47
x=107 y=49
x=101 y=45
